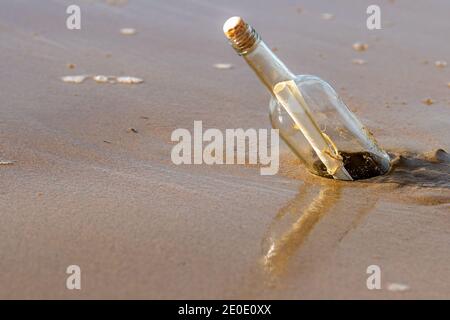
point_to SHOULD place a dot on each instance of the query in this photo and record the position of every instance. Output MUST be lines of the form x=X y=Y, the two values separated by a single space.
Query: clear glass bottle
x=312 y=119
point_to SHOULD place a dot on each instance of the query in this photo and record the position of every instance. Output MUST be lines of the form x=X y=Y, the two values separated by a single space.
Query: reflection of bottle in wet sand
x=311 y=117
x=293 y=224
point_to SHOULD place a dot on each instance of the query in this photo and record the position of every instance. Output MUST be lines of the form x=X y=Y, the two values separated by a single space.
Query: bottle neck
x=247 y=43
x=269 y=69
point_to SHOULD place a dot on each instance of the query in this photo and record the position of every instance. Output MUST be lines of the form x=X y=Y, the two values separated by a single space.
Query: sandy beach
x=88 y=179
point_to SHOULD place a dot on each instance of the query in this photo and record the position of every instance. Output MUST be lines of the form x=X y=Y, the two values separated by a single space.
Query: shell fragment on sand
x=359 y=61
x=129 y=80
x=397 y=287
x=327 y=16
x=128 y=31
x=103 y=79
x=440 y=64
x=74 y=79
x=223 y=66
x=428 y=101
x=358 y=46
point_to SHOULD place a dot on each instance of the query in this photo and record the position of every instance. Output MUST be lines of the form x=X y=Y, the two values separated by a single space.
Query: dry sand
x=85 y=190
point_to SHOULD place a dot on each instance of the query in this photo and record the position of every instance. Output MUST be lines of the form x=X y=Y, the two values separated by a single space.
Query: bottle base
x=360 y=165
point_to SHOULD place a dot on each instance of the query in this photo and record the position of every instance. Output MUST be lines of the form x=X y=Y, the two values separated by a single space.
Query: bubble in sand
x=74 y=79
x=440 y=64
x=129 y=80
x=128 y=31
x=6 y=163
x=358 y=46
x=359 y=61
x=428 y=101
x=223 y=66
x=396 y=287
x=327 y=16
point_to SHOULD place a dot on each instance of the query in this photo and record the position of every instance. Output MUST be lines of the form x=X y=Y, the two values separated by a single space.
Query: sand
x=83 y=189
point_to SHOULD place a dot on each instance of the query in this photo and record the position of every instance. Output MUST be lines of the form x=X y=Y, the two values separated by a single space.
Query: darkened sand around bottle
x=360 y=165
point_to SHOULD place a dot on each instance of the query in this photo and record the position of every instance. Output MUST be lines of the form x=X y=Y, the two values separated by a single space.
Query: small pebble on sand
x=358 y=46
x=133 y=130
x=428 y=101
x=327 y=16
x=440 y=64
x=448 y=84
x=74 y=79
x=71 y=66
x=223 y=66
x=128 y=31
x=129 y=80
x=359 y=61
x=397 y=287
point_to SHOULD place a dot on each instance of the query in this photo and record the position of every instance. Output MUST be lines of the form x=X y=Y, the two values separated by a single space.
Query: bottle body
x=362 y=156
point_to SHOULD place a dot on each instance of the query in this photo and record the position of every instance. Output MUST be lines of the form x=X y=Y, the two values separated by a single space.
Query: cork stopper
x=241 y=36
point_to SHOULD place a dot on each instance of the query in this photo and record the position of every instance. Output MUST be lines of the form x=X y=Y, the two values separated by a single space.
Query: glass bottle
x=312 y=119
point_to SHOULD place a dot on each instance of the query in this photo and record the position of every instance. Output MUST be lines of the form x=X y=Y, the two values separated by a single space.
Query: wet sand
x=84 y=189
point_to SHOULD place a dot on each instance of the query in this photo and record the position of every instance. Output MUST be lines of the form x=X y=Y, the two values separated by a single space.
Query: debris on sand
x=101 y=79
x=74 y=79
x=396 y=287
x=132 y=130
x=428 y=101
x=440 y=64
x=359 y=61
x=128 y=31
x=327 y=16
x=358 y=46
x=223 y=66
x=6 y=163
x=71 y=66
x=129 y=80
x=117 y=2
